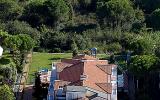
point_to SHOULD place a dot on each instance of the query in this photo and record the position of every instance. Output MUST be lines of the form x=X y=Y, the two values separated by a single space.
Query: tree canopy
x=6 y=93
x=116 y=13
x=9 y=10
x=142 y=64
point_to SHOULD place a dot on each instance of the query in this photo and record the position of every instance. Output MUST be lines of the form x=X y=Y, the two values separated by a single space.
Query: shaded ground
x=28 y=91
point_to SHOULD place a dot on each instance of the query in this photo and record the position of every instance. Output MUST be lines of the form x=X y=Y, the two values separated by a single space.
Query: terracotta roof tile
x=70 y=61
x=106 y=68
x=59 y=83
x=84 y=57
x=105 y=86
x=72 y=73
x=61 y=66
x=95 y=70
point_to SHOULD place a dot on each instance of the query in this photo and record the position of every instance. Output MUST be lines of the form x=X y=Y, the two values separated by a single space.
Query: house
x=83 y=78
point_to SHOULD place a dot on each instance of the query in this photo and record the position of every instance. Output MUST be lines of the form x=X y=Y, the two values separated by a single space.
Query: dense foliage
x=6 y=93
x=92 y=23
x=113 y=26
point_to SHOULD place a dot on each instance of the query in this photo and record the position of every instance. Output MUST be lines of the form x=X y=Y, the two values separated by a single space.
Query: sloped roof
x=60 y=66
x=72 y=73
x=60 y=83
x=95 y=70
x=106 y=68
x=84 y=57
x=107 y=87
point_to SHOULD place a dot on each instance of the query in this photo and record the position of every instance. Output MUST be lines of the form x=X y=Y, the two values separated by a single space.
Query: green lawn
x=44 y=60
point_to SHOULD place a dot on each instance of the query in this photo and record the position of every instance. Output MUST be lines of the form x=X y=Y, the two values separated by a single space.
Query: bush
x=38 y=49
x=157 y=52
x=114 y=47
x=57 y=50
x=17 y=27
x=143 y=45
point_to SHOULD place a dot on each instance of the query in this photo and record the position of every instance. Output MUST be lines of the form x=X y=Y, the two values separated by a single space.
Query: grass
x=44 y=60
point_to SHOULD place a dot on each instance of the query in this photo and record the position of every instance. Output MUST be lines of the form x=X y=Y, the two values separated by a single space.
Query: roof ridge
x=102 y=66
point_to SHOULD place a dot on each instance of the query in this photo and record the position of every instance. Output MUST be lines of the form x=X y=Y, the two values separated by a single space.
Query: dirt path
x=22 y=87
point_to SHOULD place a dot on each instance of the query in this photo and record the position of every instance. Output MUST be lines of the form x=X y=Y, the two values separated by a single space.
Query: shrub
x=57 y=50
x=114 y=47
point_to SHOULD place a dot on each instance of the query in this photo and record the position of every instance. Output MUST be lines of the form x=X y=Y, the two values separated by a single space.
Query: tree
x=143 y=45
x=142 y=64
x=58 y=10
x=74 y=48
x=50 y=12
x=27 y=42
x=147 y=5
x=53 y=40
x=19 y=44
x=6 y=93
x=126 y=40
x=138 y=24
x=7 y=70
x=9 y=10
x=116 y=13
x=3 y=35
x=84 y=3
x=141 y=67
x=114 y=47
x=157 y=52
x=13 y=42
x=34 y=14
x=155 y=19
x=21 y=27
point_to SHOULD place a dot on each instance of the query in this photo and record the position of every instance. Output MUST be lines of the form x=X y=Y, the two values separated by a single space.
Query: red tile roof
x=62 y=65
x=84 y=57
x=96 y=72
x=72 y=73
x=59 y=83
x=106 y=68
x=105 y=86
x=70 y=61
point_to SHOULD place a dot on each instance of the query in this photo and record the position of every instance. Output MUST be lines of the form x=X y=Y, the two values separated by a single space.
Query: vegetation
x=6 y=93
x=43 y=60
x=113 y=26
